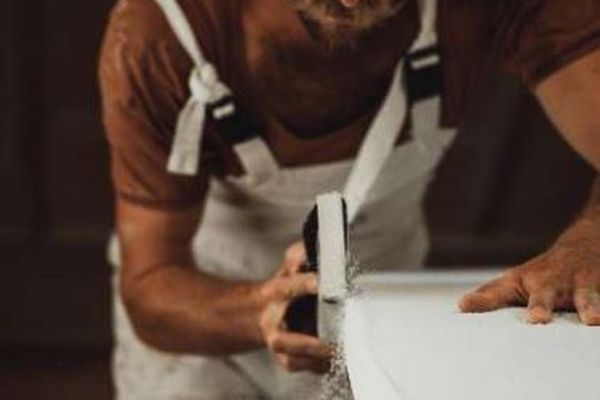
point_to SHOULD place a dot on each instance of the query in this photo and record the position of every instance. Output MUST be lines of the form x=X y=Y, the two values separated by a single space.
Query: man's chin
x=336 y=35
x=339 y=30
x=343 y=40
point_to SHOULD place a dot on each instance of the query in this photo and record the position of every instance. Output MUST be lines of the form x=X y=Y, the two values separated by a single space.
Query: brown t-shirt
x=144 y=73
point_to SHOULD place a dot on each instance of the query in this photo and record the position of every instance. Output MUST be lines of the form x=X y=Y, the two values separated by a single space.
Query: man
x=226 y=118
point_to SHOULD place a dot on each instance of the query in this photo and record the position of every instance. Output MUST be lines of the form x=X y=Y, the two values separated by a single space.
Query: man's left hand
x=565 y=278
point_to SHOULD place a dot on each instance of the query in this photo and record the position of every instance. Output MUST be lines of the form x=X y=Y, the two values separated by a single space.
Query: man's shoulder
x=143 y=25
x=138 y=20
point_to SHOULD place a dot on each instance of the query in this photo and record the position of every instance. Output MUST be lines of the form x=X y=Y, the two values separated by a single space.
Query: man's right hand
x=293 y=351
x=176 y=308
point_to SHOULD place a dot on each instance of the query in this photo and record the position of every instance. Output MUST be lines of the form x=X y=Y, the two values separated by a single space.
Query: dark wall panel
x=77 y=181
x=55 y=208
x=16 y=197
x=508 y=186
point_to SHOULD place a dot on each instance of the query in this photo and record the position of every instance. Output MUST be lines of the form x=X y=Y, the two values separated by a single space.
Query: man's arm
x=571 y=98
x=567 y=276
x=175 y=307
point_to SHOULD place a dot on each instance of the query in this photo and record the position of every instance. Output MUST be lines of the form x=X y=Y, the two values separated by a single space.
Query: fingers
x=278 y=293
x=564 y=278
x=587 y=303
x=296 y=352
x=293 y=352
x=299 y=364
x=272 y=318
x=541 y=306
x=496 y=294
x=300 y=345
x=290 y=287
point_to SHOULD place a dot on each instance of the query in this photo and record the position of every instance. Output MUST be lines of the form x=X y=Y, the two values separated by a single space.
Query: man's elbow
x=591 y=150
x=150 y=318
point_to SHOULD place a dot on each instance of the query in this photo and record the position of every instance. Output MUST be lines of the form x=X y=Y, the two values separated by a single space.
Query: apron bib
x=250 y=220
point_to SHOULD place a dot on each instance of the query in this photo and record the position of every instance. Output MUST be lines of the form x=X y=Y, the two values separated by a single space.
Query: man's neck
x=309 y=87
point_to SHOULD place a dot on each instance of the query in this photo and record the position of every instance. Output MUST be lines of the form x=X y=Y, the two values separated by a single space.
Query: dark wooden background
x=55 y=204
x=504 y=192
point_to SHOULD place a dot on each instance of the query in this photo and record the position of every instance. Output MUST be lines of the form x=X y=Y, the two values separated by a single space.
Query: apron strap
x=424 y=77
x=423 y=71
x=428 y=35
x=377 y=146
x=381 y=136
x=257 y=159
x=431 y=140
x=205 y=88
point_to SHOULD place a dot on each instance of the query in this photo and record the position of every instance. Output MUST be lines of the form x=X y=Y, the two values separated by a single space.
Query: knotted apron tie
x=205 y=89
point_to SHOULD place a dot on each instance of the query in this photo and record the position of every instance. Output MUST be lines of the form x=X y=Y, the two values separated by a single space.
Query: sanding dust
x=336 y=383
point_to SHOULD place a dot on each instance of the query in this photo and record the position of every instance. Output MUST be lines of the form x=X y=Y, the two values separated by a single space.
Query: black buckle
x=231 y=121
x=423 y=74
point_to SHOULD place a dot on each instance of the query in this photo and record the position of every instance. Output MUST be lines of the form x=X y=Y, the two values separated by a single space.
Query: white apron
x=250 y=220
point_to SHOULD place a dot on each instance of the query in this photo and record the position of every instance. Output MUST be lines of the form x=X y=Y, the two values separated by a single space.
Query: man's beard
x=330 y=22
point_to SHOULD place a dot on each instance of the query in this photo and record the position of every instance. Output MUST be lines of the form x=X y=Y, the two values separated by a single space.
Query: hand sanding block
x=325 y=236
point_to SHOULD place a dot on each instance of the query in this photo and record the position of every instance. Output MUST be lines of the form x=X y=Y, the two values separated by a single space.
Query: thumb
x=294 y=258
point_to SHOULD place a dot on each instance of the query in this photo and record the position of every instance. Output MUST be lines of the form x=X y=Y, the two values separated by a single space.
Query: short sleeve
x=539 y=37
x=143 y=74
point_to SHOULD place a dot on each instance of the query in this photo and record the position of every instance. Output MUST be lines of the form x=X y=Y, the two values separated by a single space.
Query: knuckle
x=286 y=363
x=267 y=290
x=277 y=344
x=272 y=341
x=511 y=275
x=537 y=283
x=281 y=360
x=281 y=291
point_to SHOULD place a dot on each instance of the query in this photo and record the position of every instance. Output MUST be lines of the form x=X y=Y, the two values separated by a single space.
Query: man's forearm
x=587 y=226
x=594 y=202
x=570 y=98
x=174 y=306
x=178 y=309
